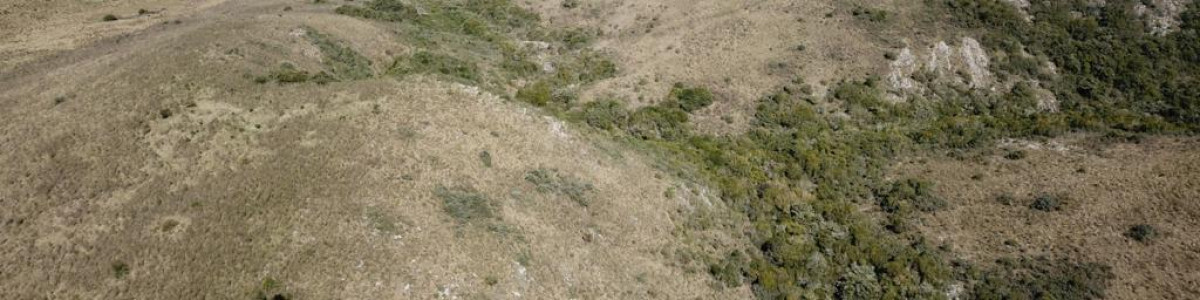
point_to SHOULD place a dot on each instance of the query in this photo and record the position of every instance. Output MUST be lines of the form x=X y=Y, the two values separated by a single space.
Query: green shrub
x=655 y=122
x=915 y=192
x=786 y=111
x=605 y=114
x=109 y=18
x=465 y=204
x=690 y=99
x=486 y=158
x=120 y=269
x=1142 y=233
x=538 y=93
x=1047 y=202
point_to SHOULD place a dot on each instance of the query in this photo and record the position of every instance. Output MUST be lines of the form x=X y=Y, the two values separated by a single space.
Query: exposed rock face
x=1162 y=15
x=976 y=60
x=965 y=64
x=902 y=68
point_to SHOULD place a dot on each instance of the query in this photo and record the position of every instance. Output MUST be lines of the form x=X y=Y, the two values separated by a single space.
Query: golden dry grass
x=1109 y=189
x=154 y=167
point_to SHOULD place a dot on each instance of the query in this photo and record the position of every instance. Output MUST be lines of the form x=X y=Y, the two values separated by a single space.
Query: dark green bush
x=656 y=122
x=1114 y=72
x=465 y=204
x=690 y=99
x=1142 y=233
x=120 y=269
x=910 y=192
x=1047 y=202
x=1043 y=278
x=109 y=18
x=605 y=114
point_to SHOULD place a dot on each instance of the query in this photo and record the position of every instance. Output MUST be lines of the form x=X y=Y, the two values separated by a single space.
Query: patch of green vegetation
x=341 y=61
x=120 y=269
x=553 y=181
x=812 y=243
x=494 y=44
x=605 y=114
x=109 y=18
x=1114 y=73
x=903 y=198
x=689 y=99
x=465 y=204
x=425 y=62
x=659 y=122
x=538 y=93
x=1040 y=278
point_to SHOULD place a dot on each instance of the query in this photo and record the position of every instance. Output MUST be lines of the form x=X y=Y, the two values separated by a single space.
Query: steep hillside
x=154 y=166
x=599 y=149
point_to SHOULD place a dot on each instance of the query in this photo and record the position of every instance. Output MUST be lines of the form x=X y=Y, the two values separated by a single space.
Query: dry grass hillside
x=599 y=149
x=1104 y=191
x=148 y=164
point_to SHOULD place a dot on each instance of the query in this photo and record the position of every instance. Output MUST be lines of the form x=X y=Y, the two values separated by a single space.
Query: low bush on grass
x=552 y=181
x=425 y=62
x=465 y=204
x=1142 y=233
x=1048 y=202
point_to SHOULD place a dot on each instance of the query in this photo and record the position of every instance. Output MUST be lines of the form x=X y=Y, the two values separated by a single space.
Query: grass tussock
x=554 y=182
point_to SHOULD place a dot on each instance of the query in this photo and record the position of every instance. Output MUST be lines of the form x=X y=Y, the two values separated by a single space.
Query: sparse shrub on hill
x=1048 y=202
x=288 y=73
x=537 y=93
x=690 y=99
x=425 y=62
x=553 y=181
x=465 y=204
x=605 y=114
x=1142 y=233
